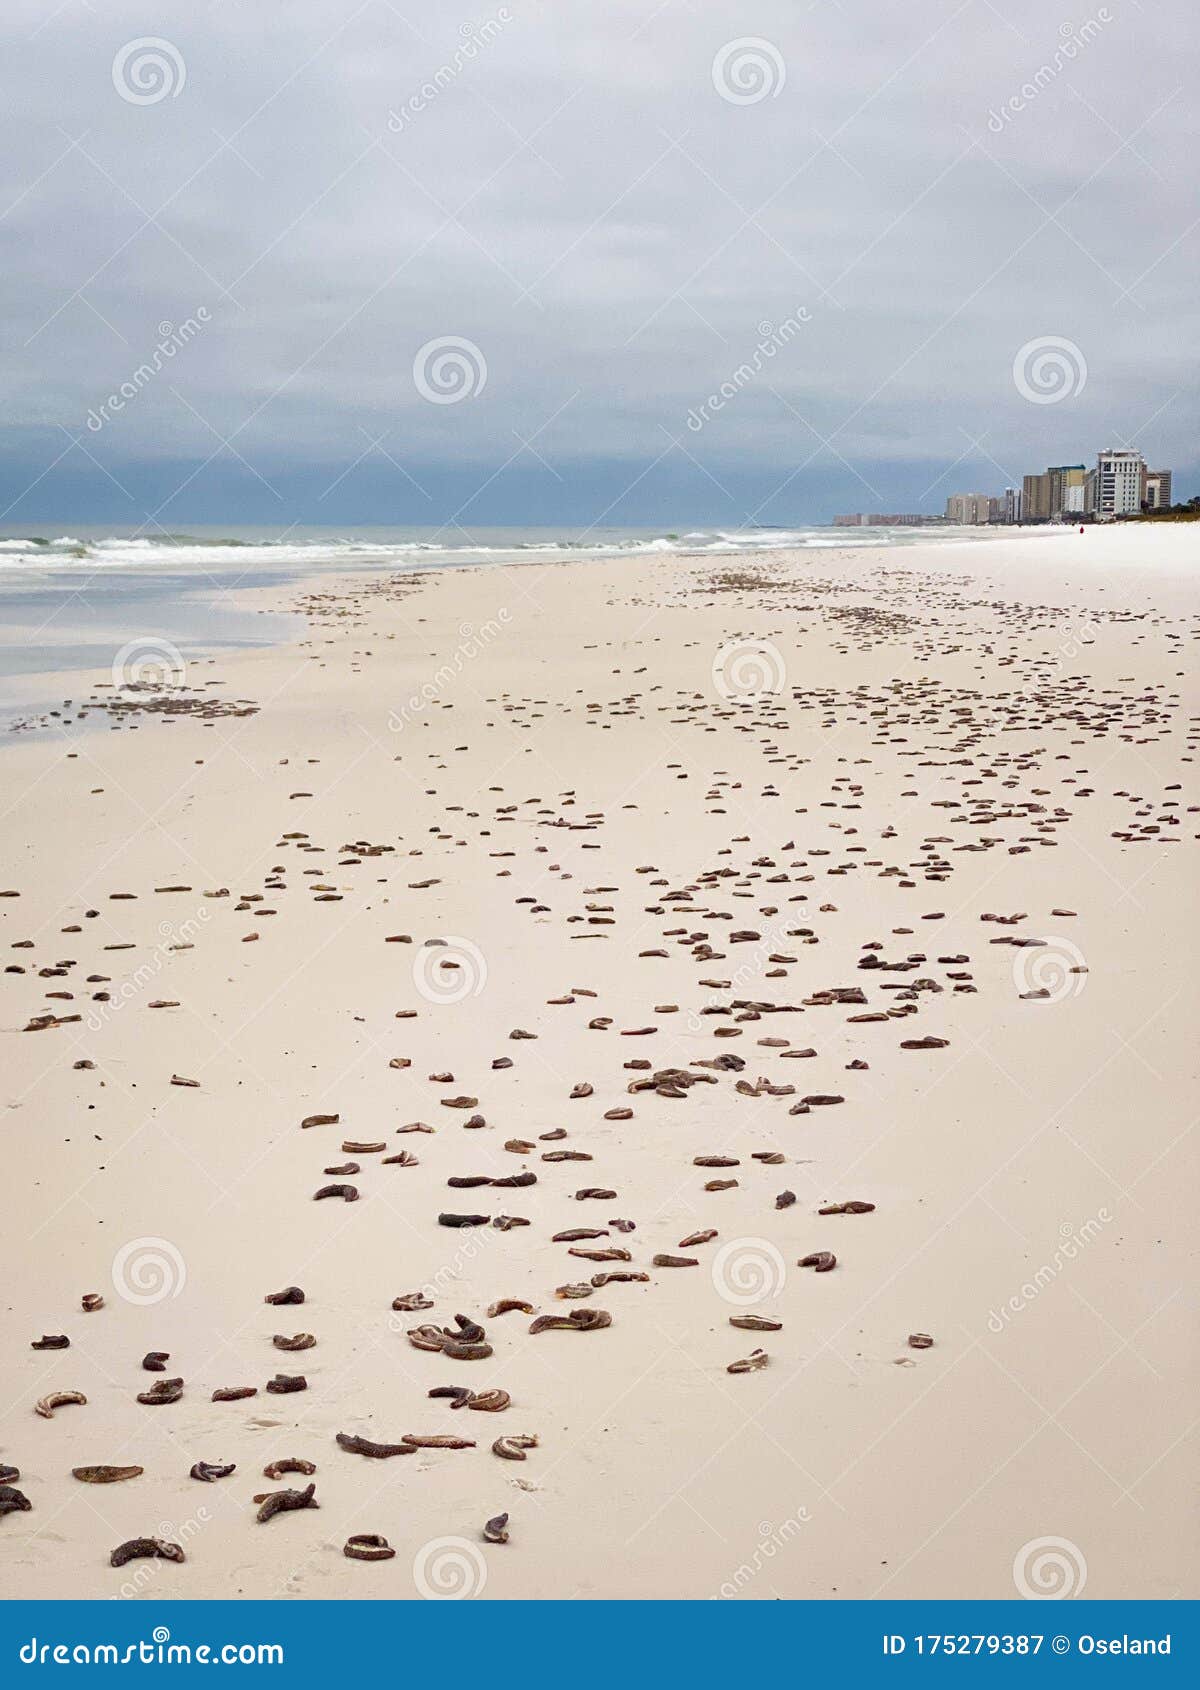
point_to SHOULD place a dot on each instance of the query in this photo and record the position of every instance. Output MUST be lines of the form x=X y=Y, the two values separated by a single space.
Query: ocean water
x=75 y=599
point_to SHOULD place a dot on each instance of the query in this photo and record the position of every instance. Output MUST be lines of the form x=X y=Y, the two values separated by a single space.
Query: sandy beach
x=664 y=902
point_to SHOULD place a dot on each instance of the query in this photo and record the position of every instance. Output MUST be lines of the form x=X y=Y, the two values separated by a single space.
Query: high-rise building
x=1156 y=489
x=1035 y=498
x=1114 y=487
x=871 y=519
x=1012 y=505
x=1066 y=489
x=970 y=509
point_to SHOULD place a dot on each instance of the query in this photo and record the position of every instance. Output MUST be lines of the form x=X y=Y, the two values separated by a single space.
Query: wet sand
x=767 y=886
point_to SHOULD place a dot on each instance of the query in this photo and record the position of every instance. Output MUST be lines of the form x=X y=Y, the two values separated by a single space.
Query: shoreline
x=718 y=792
x=249 y=594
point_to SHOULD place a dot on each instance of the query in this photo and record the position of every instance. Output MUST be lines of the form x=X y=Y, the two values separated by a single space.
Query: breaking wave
x=173 y=551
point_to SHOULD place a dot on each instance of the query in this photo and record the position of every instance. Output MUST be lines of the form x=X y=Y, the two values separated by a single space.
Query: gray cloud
x=577 y=199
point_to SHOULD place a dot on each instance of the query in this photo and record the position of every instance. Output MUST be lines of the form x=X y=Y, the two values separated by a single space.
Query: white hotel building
x=1114 y=487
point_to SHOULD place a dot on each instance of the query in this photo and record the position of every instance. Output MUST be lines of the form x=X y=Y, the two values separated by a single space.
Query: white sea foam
x=137 y=552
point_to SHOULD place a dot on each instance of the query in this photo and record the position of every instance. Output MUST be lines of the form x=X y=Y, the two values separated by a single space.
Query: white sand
x=1034 y=1180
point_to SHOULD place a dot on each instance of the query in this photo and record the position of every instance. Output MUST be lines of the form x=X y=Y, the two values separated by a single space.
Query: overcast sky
x=846 y=212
